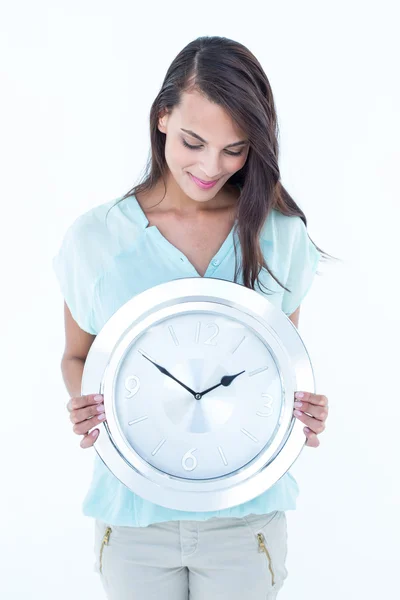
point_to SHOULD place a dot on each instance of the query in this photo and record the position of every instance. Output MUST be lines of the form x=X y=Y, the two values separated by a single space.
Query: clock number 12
x=210 y=340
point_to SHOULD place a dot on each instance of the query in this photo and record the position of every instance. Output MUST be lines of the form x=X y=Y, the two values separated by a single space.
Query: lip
x=203 y=184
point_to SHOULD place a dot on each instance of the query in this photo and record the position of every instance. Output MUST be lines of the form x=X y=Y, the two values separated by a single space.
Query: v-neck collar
x=175 y=254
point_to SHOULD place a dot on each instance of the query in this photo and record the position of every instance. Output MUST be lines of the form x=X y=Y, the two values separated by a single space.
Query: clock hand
x=225 y=381
x=165 y=372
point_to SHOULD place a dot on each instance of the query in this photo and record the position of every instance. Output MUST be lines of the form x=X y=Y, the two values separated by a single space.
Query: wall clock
x=198 y=377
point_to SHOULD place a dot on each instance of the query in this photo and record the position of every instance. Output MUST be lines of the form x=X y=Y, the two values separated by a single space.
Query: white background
x=77 y=82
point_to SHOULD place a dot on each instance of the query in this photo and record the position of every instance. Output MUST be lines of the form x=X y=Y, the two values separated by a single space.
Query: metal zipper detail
x=105 y=540
x=262 y=548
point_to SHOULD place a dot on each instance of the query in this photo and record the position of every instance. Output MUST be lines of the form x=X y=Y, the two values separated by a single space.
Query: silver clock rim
x=171 y=298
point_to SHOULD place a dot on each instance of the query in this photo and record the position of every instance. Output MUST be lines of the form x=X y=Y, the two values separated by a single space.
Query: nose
x=211 y=167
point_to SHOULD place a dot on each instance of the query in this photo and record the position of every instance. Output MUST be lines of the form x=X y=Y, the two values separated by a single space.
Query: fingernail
x=100 y=408
x=102 y=416
x=298 y=404
x=98 y=398
x=299 y=395
x=298 y=413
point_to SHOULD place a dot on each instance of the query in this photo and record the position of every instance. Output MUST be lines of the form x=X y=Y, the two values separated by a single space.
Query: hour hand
x=165 y=372
x=225 y=381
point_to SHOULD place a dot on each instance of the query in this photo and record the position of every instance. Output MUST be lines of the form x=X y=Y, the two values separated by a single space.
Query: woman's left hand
x=315 y=405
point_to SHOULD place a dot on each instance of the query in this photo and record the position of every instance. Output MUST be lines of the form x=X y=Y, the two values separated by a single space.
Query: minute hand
x=225 y=381
x=165 y=372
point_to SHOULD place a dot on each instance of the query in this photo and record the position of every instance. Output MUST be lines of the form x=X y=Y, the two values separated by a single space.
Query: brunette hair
x=228 y=74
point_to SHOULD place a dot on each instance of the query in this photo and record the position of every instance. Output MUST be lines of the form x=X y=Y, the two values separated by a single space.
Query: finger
x=89 y=439
x=312 y=439
x=317 y=399
x=77 y=402
x=82 y=414
x=315 y=425
x=319 y=412
x=84 y=426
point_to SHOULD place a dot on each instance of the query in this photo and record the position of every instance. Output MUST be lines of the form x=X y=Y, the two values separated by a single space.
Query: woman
x=213 y=175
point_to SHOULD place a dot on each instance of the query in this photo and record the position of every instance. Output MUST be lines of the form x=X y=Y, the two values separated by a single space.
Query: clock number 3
x=210 y=340
x=132 y=384
x=192 y=460
x=268 y=406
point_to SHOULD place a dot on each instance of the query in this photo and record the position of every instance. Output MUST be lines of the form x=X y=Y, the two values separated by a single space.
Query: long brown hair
x=228 y=74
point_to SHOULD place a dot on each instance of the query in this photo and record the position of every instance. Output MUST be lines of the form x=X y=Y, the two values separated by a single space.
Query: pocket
x=262 y=548
x=270 y=533
x=256 y=522
x=104 y=542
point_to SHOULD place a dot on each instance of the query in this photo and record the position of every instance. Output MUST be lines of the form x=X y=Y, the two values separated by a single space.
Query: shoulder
x=86 y=224
x=104 y=230
x=94 y=238
x=287 y=244
x=281 y=229
x=88 y=248
x=92 y=222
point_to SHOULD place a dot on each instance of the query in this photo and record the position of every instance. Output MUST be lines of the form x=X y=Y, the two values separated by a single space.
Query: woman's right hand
x=85 y=413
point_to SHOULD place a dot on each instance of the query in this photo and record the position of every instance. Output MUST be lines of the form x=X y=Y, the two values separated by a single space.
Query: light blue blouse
x=101 y=264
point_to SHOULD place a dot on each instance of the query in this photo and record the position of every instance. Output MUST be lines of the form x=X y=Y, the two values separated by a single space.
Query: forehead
x=206 y=118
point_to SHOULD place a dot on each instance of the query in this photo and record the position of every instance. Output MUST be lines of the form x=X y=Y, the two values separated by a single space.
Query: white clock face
x=183 y=427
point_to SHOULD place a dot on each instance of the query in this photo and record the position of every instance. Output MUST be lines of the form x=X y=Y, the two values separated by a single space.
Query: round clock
x=198 y=377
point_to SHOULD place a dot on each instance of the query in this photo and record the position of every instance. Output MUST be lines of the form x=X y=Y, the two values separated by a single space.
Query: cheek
x=235 y=164
x=177 y=155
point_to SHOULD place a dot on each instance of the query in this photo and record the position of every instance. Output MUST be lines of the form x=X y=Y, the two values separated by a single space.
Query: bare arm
x=72 y=370
x=294 y=317
x=77 y=346
x=83 y=410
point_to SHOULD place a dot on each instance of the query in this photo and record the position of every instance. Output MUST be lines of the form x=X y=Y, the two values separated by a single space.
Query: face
x=166 y=419
x=213 y=158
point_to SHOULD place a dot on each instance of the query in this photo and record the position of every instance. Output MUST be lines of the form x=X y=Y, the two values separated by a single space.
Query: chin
x=200 y=198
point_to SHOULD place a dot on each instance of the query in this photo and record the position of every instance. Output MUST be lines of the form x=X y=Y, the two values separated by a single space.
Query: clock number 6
x=189 y=457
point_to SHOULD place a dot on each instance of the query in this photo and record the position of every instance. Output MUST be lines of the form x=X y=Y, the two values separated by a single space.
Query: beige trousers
x=218 y=559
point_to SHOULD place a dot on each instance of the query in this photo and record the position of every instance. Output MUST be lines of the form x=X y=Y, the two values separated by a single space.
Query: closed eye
x=198 y=148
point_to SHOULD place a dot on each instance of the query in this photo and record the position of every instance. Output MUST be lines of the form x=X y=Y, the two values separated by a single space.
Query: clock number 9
x=132 y=384
x=189 y=456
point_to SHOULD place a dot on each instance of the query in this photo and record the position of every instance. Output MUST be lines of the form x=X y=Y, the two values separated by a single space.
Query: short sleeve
x=75 y=273
x=303 y=260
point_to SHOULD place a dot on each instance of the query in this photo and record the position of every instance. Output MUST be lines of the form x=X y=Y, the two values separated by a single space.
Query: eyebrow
x=204 y=141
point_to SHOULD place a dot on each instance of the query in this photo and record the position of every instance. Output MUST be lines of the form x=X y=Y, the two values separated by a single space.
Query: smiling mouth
x=205 y=182
x=202 y=180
